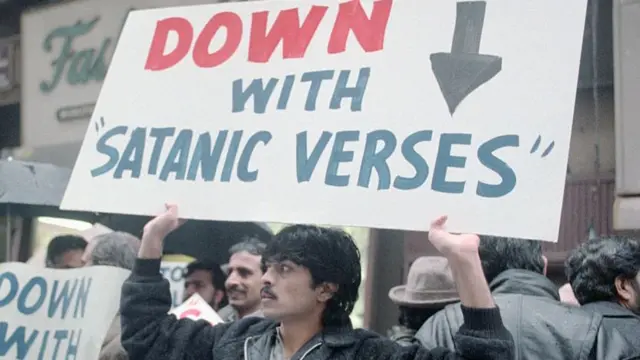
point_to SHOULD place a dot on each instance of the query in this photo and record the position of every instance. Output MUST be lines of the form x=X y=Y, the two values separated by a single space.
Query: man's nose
x=267 y=277
x=232 y=280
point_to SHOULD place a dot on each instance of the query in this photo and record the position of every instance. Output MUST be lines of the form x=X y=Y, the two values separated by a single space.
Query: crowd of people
x=290 y=298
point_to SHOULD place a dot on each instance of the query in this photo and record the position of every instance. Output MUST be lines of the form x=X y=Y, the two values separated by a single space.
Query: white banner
x=381 y=114
x=56 y=314
x=174 y=272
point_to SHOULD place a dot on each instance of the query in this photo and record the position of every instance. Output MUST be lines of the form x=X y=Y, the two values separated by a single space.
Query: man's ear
x=217 y=296
x=624 y=289
x=546 y=265
x=326 y=291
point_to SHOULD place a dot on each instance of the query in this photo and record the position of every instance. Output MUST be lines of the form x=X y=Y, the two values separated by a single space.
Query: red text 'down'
x=295 y=33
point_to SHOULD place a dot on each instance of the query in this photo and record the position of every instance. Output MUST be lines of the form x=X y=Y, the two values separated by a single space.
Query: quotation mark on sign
x=546 y=151
x=99 y=124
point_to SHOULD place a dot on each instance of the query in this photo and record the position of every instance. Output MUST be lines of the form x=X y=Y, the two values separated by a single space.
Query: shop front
x=9 y=110
x=67 y=50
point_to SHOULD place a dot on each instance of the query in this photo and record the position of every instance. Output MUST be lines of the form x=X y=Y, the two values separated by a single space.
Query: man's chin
x=237 y=303
x=270 y=313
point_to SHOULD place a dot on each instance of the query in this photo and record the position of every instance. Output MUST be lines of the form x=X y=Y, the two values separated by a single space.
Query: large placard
x=380 y=114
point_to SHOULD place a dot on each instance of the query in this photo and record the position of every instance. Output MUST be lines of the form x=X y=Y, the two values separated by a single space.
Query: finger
x=439 y=222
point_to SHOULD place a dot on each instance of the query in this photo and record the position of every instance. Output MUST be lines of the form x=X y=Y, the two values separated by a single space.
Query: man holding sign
x=309 y=289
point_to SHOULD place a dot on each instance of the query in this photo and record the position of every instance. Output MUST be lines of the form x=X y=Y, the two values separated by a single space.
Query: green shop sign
x=76 y=66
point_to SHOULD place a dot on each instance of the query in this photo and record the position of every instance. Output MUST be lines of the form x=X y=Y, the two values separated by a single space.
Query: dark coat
x=149 y=333
x=542 y=327
x=616 y=317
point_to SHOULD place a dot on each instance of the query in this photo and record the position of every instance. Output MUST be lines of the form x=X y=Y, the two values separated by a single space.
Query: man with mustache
x=207 y=279
x=244 y=280
x=310 y=286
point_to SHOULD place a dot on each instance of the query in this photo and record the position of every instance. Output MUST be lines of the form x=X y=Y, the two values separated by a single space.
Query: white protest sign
x=196 y=308
x=382 y=114
x=174 y=273
x=56 y=314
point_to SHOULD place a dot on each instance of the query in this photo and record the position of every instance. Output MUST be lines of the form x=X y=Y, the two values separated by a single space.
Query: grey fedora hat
x=429 y=283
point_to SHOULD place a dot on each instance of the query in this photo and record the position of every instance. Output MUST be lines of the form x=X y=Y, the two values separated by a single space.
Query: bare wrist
x=151 y=246
x=464 y=260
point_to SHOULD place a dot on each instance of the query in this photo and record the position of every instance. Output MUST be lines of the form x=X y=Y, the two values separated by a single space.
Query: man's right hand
x=163 y=224
x=156 y=230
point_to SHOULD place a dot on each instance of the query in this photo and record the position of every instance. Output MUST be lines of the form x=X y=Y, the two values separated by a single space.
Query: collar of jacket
x=611 y=310
x=524 y=282
x=339 y=336
x=335 y=336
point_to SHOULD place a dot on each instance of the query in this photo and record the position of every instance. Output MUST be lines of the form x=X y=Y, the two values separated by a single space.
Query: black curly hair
x=330 y=255
x=592 y=268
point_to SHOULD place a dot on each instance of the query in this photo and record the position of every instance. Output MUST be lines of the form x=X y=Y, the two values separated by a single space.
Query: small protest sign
x=380 y=114
x=174 y=272
x=195 y=308
x=56 y=314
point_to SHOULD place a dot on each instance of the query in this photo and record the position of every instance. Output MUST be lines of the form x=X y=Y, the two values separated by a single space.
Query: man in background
x=117 y=249
x=530 y=306
x=605 y=277
x=429 y=288
x=65 y=252
x=207 y=279
x=244 y=280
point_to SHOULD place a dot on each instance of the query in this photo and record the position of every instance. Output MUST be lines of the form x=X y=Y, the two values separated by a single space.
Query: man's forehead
x=244 y=259
x=72 y=257
x=199 y=274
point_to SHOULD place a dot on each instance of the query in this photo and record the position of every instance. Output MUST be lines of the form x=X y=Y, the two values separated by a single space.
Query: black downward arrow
x=464 y=69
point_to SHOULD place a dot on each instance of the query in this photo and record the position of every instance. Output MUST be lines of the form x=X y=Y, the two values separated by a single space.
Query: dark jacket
x=616 y=317
x=148 y=332
x=542 y=327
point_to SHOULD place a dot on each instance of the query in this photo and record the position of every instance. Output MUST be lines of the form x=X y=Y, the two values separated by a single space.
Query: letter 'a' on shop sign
x=373 y=113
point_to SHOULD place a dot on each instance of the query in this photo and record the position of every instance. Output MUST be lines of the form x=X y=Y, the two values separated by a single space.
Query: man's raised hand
x=451 y=244
x=164 y=223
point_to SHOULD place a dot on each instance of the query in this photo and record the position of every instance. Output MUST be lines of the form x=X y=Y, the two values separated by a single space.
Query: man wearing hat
x=430 y=287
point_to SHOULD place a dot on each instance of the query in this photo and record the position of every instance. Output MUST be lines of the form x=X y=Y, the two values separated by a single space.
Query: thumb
x=439 y=222
x=172 y=209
